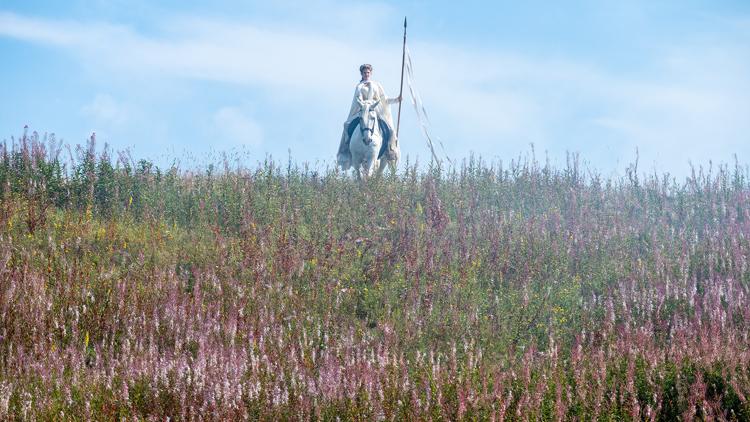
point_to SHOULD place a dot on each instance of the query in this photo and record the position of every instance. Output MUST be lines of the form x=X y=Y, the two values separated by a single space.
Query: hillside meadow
x=484 y=291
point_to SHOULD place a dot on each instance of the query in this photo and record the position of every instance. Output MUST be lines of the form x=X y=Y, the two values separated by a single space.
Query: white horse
x=366 y=141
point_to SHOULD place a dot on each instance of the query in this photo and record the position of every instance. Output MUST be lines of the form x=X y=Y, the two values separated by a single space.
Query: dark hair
x=365 y=66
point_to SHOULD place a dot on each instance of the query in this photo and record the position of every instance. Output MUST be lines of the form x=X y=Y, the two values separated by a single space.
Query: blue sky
x=184 y=80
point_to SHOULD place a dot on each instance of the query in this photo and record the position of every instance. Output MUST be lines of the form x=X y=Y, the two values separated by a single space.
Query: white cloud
x=104 y=109
x=236 y=128
x=203 y=49
x=67 y=34
x=694 y=109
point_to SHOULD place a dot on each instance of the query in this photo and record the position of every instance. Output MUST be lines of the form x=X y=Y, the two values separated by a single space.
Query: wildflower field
x=486 y=291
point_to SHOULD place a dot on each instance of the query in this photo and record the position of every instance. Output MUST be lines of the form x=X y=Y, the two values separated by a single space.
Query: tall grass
x=481 y=292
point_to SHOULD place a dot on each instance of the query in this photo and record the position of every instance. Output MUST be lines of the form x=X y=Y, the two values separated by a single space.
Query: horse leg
x=372 y=166
x=392 y=165
x=382 y=164
x=367 y=167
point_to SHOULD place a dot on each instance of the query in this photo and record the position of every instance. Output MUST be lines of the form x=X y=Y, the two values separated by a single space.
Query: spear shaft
x=401 y=91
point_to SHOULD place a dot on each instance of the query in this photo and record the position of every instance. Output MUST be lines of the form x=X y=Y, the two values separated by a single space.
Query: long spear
x=401 y=92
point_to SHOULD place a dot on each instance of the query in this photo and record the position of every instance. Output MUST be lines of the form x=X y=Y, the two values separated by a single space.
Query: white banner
x=416 y=101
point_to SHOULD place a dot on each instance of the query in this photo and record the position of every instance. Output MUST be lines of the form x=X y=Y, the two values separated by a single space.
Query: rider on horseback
x=368 y=89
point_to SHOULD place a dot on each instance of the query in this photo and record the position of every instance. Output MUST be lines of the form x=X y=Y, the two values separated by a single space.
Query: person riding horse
x=368 y=89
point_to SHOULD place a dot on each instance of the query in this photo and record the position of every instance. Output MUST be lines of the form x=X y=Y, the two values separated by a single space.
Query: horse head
x=369 y=120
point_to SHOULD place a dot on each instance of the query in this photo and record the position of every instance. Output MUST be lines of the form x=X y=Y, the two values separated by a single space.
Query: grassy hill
x=281 y=293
